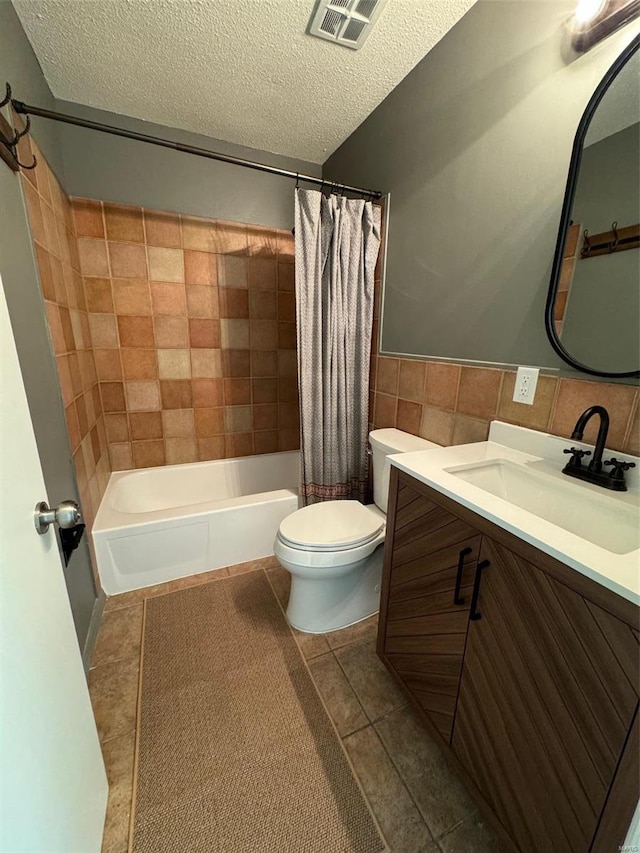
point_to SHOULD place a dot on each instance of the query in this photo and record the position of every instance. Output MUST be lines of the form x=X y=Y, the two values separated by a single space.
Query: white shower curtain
x=337 y=242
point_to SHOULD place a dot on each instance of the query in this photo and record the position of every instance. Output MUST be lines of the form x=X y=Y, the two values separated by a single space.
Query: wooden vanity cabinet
x=534 y=689
x=427 y=606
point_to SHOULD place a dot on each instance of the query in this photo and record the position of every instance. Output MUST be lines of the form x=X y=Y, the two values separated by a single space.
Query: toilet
x=334 y=550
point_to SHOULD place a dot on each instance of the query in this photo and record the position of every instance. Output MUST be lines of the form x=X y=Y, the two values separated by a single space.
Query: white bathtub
x=159 y=524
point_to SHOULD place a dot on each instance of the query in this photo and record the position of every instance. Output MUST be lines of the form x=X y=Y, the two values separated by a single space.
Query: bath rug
x=236 y=753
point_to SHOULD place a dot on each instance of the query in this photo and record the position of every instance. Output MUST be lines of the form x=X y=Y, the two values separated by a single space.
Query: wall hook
x=586 y=246
x=7 y=96
x=616 y=239
x=20 y=133
x=28 y=168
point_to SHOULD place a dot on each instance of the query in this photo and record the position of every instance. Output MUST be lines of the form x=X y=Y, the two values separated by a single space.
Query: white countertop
x=539 y=452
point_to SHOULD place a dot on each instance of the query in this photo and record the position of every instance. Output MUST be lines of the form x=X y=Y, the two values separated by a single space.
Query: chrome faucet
x=593 y=473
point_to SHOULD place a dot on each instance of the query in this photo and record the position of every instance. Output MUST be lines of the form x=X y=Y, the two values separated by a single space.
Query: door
x=548 y=693
x=432 y=569
x=53 y=782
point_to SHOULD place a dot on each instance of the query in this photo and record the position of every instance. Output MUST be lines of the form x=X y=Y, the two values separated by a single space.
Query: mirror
x=593 y=307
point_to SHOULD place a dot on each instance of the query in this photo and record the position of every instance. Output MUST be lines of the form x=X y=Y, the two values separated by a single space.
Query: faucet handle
x=619 y=467
x=576 y=455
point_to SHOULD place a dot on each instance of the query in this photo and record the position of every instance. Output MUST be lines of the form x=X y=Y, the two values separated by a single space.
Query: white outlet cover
x=525 y=387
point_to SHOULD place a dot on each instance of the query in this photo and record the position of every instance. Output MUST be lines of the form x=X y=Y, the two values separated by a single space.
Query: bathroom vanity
x=516 y=637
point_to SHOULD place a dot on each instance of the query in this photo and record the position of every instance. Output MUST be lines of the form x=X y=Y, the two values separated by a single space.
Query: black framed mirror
x=592 y=314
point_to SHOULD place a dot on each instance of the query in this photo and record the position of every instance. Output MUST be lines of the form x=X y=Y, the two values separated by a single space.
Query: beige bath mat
x=236 y=753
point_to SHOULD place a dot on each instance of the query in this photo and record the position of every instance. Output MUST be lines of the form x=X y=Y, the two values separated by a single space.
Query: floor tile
x=252 y=566
x=436 y=789
x=118 y=755
x=114 y=696
x=365 y=630
x=339 y=698
x=126 y=599
x=280 y=580
x=119 y=637
x=474 y=834
x=371 y=682
x=399 y=819
x=311 y=645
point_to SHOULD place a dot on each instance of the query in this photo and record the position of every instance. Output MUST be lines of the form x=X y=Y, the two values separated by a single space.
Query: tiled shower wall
x=193 y=327
x=453 y=404
x=55 y=245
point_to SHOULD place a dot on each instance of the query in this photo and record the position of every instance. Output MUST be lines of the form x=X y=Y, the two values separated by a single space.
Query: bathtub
x=160 y=524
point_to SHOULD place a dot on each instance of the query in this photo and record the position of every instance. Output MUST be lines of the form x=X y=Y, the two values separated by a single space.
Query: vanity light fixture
x=594 y=20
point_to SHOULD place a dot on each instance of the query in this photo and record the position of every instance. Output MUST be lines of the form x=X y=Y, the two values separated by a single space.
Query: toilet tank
x=385 y=442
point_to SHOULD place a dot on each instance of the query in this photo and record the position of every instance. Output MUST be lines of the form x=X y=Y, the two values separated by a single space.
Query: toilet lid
x=331 y=525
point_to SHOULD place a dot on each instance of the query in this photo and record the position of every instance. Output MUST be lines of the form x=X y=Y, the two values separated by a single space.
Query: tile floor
x=419 y=802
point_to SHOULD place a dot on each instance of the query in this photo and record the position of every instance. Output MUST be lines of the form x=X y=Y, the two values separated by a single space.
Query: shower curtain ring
x=297 y=180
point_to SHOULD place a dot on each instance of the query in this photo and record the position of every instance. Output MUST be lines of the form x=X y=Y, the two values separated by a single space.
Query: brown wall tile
x=200 y=268
x=171 y=332
x=211 y=448
x=162 y=229
x=574 y=396
x=536 y=416
x=124 y=223
x=136 y=332
x=209 y=422
x=180 y=450
x=142 y=396
x=437 y=426
x=87 y=216
x=468 y=430
x=148 y=454
x=176 y=394
x=138 y=364
x=441 y=385
x=178 y=423
x=204 y=334
x=131 y=296
x=408 y=416
x=127 y=260
x=387 y=375
x=479 y=391
x=112 y=394
x=145 y=425
x=411 y=380
x=384 y=414
x=207 y=393
x=202 y=301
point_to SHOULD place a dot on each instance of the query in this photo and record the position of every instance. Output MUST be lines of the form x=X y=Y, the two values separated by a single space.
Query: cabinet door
x=425 y=628
x=548 y=693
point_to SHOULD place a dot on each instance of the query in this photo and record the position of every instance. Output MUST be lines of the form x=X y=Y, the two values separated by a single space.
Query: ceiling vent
x=346 y=22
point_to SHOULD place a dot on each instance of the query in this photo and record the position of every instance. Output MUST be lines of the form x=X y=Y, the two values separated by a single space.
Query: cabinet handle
x=456 y=593
x=476 y=590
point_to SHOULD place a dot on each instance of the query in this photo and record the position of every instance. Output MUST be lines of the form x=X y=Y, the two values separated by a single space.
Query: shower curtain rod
x=27 y=109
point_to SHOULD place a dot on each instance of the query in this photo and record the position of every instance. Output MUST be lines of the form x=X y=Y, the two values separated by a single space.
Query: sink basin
x=602 y=519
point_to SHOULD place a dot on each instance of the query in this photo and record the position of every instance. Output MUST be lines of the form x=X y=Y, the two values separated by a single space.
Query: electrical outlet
x=526 y=381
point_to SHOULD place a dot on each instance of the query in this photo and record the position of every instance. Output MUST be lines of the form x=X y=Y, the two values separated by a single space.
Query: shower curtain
x=337 y=242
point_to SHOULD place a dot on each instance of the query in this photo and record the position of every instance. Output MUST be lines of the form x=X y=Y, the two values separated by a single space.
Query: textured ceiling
x=240 y=70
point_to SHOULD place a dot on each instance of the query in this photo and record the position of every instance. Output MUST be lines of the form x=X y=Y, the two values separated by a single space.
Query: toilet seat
x=331 y=526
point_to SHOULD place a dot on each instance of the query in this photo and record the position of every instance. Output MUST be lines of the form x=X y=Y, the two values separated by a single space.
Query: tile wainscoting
x=454 y=403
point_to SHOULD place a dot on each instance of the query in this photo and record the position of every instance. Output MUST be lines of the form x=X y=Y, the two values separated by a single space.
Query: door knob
x=67 y=514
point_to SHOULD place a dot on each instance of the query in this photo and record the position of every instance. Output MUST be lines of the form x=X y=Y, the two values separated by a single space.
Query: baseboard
x=94 y=627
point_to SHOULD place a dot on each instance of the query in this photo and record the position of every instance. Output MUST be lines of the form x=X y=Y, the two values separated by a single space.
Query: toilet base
x=320 y=605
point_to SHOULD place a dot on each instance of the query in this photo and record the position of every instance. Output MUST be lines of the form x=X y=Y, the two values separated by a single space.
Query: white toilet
x=334 y=552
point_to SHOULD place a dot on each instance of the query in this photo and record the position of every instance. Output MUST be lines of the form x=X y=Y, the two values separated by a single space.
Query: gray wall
x=602 y=320
x=474 y=147
x=111 y=168
x=26 y=309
